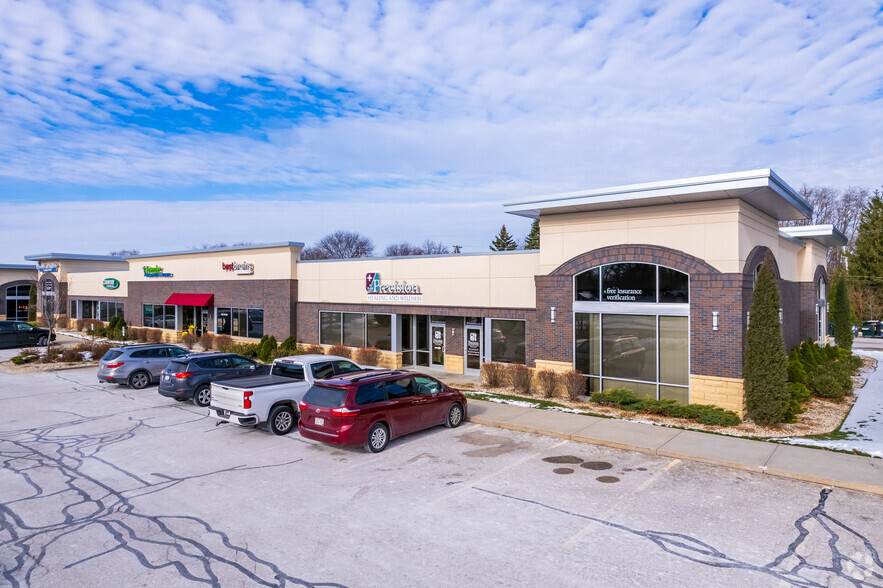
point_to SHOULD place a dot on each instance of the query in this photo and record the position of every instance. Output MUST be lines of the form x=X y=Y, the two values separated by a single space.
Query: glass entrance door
x=473 y=350
x=437 y=336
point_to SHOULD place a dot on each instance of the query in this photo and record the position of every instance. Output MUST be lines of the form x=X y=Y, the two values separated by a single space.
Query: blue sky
x=162 y=125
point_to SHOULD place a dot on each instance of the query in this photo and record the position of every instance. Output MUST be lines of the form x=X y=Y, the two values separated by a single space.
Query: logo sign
x=395 y=292
x=48 y=267
x=111 y=283
x=154 y=271
x=241 y=268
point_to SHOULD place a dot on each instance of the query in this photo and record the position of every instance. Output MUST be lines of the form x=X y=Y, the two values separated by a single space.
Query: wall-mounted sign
x=111 y=283
x=395 y=292
x=154 y=272
x=242 y=268
x=48 y=267
x=622 y=295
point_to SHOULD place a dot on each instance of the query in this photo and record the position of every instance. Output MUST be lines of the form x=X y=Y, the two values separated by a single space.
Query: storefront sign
x=154 y=272
x=242 y=268
x=622 y=295
x=395 y=292
x=473 y=345
x=48 y=267
x=111 y=283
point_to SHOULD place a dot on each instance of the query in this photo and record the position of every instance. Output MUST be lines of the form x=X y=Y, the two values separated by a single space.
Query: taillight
x=246 y=399
x=111 y=366
x=303 y=405
x=183 y=375
x=344 y=412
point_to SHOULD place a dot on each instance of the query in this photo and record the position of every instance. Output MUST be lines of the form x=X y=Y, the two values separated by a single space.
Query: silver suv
x=137 y=366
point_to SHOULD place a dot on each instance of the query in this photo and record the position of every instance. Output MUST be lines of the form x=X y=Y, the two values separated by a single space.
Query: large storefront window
x=17 y=300
x=108 y=310
x=507 y=341
x=158 y=316
x=240 y=322
x=356 y=329
x=632 y=282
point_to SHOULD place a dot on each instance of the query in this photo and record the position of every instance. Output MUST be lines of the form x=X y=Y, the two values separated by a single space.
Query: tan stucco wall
x=67 y=266
x=90 y=284
x=14 y=275
x=723 y=233
x=501 y=280
x=273 y=263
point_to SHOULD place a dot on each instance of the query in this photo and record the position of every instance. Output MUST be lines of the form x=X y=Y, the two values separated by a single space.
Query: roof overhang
x=72 y=256
x=825 y=235
x=762 y=189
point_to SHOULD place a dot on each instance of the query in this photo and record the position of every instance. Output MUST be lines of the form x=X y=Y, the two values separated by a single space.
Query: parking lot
x=103 y=485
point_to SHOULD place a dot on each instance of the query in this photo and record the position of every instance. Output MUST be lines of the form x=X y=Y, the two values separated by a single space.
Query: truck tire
x=282 y=420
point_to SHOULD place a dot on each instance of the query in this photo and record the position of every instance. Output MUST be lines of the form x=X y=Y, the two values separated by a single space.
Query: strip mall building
x=647 y=287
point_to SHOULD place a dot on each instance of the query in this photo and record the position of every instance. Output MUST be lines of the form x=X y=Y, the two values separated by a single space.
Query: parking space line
x=606 y=515
x=468 y=487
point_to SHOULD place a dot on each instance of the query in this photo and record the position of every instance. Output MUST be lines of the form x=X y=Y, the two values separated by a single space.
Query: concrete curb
x=818 y=466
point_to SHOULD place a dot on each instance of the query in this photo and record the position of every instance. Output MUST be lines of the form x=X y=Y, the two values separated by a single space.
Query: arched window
x=632 y=282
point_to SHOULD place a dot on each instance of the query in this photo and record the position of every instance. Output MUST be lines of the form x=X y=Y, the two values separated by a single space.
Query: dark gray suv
x=191 y=376
x=137 y=366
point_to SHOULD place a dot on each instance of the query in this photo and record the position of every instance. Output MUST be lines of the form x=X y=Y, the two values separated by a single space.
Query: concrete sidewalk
x=801 y=463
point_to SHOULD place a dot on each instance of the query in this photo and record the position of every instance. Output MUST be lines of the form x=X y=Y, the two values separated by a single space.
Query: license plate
x=226 y=413
x=320 y=421
x=167 y=378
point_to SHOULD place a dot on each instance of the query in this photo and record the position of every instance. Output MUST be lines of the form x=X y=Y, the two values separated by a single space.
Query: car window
x=241 y=362
x=112 y=354
x=325 y=396
x=175 y=352
x=24 y=327
x=345 y=367
x=322 y=370
x=401 y=388
x=6 y=328
x=368 y=393
x=294 y=371
x=161 y=352
x=427 y=385
x=141 y=353
x=222 y=363
x=205 y=364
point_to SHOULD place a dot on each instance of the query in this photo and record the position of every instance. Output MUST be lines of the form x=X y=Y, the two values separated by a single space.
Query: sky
x=164 y=125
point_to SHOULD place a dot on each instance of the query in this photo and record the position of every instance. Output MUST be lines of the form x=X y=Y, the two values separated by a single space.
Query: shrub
x=341 y=350
x=547 y=382
x=86 y=325
x=266 y=348
x=796 y=372
x=289 y=345
x=19 y=360
x=206 y=340
x=71 y=355
x=189 y=340
x=223 y=343
x=518 y=376
x=765 y=368
x=315 y=349
x=137 y=334
x=702 y=413
x=50 y=357
x=492 y=374
x=574 y=384
x=244 y=349
x=31 y=352
x=153 y=335
x=841 y=314
x=826 y=385
x=367 y=356
x=100 y=348
x=62 y=322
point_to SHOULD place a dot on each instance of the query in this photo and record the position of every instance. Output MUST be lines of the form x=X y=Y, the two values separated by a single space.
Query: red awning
x=191 y=299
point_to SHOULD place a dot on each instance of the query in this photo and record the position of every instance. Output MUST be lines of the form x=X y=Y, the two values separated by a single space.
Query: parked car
x=19 y=334
x=137 y=366
x=273 y=398
x=191 y=376
x=371 y=408
x=872 y=329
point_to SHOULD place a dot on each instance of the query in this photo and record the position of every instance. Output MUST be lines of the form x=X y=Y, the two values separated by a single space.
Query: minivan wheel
x=281 y=420
x=378 y=437
x=203 y=396
x=43 y=341
x=139 y=380
x=455 y=416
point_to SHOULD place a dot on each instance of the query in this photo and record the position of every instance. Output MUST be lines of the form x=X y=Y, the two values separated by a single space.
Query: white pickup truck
x=273 y=398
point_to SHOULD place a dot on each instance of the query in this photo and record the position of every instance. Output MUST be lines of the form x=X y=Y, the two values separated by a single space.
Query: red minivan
x=371 y=408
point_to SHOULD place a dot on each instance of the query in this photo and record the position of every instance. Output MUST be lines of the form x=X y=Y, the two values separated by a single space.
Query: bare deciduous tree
x=430 y=247
x=340 y=245
x=124 y=252
x=52 y=304
x=832 y=207
x=402 y=249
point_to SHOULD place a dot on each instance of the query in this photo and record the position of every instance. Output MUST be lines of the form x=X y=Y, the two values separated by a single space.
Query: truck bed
x=252 y=382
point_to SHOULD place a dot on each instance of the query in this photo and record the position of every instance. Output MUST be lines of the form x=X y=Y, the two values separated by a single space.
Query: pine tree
x=765 y=369
x=842 y=315
x=504 y=241
x=866 y=258
x=532 y=241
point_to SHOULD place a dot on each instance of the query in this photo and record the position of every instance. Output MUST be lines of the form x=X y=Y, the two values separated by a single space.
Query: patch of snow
x=864 y=423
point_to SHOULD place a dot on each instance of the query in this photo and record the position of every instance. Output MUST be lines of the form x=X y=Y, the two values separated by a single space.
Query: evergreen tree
x=532 y=241
x=32 y=303
x=504 y=241
x=842 y=315
x=866 y=258
x=765 y=369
